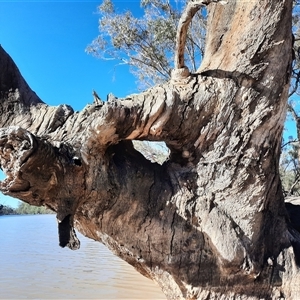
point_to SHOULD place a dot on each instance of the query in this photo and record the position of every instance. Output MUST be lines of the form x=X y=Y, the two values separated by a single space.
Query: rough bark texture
x=210 y=223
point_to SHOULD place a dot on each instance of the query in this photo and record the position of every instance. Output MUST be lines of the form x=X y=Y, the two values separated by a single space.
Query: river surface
x=33 y=266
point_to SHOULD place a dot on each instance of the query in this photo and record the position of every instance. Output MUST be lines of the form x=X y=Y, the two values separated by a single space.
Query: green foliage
x=290 y=157
x=147 y=43
x=290 y=169
x=6 y=210
x=26 y=209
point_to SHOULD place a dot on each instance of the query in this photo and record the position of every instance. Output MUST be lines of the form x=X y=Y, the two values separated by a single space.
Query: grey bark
x=210 y=223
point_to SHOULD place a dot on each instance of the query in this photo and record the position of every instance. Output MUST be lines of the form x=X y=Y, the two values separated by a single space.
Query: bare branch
x=191 y=9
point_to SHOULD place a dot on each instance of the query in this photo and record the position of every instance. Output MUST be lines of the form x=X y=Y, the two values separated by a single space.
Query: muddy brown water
x=33 y=266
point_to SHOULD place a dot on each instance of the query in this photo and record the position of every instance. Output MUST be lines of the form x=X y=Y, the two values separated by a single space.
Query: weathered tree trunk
x=211 y=222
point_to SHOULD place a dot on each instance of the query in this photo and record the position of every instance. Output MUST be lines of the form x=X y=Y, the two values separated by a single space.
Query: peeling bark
x=210 y=223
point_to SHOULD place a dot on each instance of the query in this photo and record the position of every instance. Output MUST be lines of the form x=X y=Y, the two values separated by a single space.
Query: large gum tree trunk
x=210 y=223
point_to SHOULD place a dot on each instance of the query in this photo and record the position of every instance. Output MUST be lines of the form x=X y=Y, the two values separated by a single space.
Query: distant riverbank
x=24 y=209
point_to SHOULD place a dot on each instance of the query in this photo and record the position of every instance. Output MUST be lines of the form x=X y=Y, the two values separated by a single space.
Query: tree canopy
x=146 y=42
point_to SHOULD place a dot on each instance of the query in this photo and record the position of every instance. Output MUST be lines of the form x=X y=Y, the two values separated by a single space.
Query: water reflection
x=33 y=266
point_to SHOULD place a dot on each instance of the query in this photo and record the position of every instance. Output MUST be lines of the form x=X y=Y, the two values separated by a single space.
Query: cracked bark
x=211 y=221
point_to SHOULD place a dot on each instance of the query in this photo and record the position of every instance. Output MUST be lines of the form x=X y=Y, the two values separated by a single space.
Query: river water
x=33 y=266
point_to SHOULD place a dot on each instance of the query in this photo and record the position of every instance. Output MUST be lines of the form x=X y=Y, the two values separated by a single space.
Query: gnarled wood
x=211 y=221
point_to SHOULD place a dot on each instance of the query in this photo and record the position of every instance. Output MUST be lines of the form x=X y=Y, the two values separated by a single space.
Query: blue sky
x=47 y=41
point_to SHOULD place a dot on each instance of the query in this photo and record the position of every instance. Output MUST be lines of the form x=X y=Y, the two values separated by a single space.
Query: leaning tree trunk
x=210 y=222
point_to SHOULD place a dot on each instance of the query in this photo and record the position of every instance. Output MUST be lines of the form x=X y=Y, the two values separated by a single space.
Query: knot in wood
x=180 y=76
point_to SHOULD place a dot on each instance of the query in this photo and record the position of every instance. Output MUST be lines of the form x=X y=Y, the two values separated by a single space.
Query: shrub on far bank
x=6 y=210
x=24 y=209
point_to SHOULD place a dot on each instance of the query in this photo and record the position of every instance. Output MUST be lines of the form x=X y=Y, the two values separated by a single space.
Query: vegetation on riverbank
x=6 y=210
x=24 y=209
